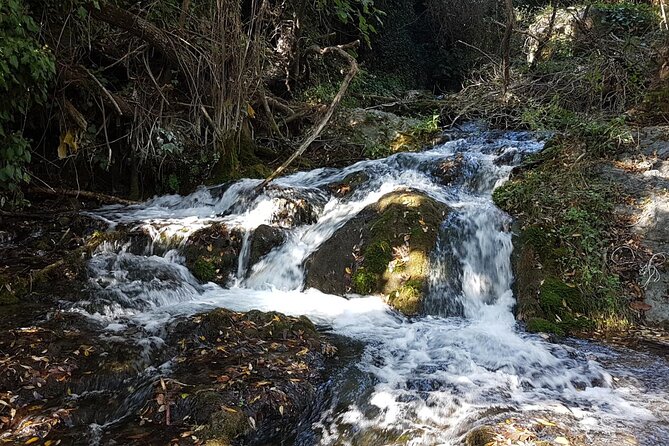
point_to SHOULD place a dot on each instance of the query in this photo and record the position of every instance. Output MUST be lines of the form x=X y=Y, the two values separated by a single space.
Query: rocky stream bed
x=367 y=305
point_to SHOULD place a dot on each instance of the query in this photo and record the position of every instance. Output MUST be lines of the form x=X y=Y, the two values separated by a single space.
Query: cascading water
x=426 y=380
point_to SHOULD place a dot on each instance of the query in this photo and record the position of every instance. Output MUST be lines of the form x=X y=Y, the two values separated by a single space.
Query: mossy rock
x=559 y=299
x=383 y=250
x=12 y=290
x=211 y=253
x=226 y=426
x=539 y=325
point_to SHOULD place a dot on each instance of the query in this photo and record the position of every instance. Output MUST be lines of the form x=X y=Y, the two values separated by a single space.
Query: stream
x=421 y=381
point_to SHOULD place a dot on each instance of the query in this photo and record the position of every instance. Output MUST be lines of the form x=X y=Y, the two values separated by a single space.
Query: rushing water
x=426 y=380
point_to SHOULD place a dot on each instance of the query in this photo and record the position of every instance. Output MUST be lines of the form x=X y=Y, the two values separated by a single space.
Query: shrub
x=26 y=69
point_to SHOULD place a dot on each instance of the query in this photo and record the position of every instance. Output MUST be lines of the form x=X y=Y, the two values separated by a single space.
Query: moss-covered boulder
x=212 y=252
x=246 y=378
x=383 y=250
x=546 y=303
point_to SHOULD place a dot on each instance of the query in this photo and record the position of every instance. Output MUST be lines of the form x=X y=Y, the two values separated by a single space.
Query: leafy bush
x=26 y=69
x=361 y=14
x=626 y=17
x=574 y=210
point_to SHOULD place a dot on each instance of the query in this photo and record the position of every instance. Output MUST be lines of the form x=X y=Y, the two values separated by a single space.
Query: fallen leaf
x=640 y=306
x=544 y=422
x=562 y=440
x=303 y=352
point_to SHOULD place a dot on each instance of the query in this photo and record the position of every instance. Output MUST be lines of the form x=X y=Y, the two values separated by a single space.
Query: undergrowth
x=567 y=215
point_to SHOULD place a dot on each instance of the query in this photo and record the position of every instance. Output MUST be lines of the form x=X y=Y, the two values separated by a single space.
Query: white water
x=431 y=377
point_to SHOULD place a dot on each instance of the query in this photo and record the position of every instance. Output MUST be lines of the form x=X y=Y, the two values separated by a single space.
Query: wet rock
x=53 y=374
x=211 y=253
x=508 y=157
x=480 y=436
x=246 y=377
x=263 y=240
x=383 y=250
x=295 y=207
x=447 y=172
x=349 y=184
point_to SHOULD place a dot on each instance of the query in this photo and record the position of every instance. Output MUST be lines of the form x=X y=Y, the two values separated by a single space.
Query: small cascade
x=243 y=261
x=428 y=379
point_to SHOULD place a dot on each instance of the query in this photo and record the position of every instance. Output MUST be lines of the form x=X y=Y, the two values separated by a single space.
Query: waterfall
x=428 y=379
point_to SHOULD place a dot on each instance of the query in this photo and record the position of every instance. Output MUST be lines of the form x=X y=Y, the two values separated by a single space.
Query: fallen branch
x=102 y=198
x=139 y=27
x=353 y=70
x=81 y=76
x=272 y=122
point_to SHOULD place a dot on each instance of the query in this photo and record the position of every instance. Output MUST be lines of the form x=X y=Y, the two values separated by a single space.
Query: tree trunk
x=506 y=45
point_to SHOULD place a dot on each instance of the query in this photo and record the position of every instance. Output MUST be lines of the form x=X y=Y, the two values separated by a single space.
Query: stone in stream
x=59 y=375
x=385 y=250
x=211 y=253
x=264 y=239
x=247 y=376
x=295 y=206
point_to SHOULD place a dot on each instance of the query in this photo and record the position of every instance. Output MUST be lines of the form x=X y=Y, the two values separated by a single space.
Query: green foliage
x=569 y=213
x=26 y=69
x=322 y=93
x=361 y=14
x=379 y=84
x=603 y=137
x=626 y=17
x=550 y=116
x=428 y=126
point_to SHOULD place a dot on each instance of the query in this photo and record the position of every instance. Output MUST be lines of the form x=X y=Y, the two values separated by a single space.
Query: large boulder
x=249 y=377
x=383 y=250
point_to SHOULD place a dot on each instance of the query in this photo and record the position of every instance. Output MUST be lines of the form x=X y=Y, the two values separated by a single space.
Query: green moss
x=557 y=298
x=12 y=290
x=226 y=426
x=567 y=213
x=377 y=256
x=539 y=325
x=365 y=282
x=204 y=270
x=407 y=298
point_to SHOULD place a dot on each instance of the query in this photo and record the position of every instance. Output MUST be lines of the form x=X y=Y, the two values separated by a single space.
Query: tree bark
x=506 y=45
